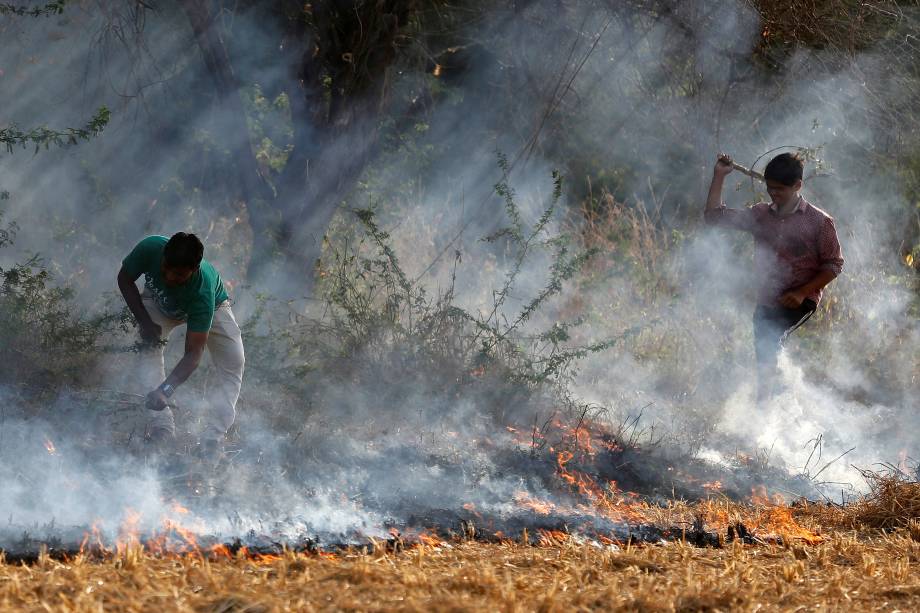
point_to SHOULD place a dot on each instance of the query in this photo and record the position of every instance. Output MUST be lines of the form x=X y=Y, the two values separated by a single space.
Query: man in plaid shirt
x=796 y=254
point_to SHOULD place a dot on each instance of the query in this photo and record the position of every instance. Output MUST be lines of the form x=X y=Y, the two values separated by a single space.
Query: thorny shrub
x=43 y=344
x=388 y=360
x=391 y=343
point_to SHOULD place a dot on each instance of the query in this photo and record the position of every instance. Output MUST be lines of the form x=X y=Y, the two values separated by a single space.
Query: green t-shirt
x=194 y=301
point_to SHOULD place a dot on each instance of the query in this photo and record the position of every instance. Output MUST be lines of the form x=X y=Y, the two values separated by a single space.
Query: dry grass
x=892 y=503
x=874 y=573
x=864 y=556
x=851 y=564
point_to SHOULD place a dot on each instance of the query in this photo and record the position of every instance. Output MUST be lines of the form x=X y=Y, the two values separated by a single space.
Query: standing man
x=796 y=254
x=182 y=287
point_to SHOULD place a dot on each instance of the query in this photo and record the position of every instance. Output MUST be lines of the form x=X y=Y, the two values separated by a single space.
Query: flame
x=188 y=537
x=49 y=445
x=469 y=506
x=713 y=486
x=540 y=507
x=220 y=551
x=779 y=520
x=92 y=539
x=552 y=537
x=174 y=539
x=429 y=539
x=128 y=539
x=715 y=514
x=608 y=500
x=607 y=540
x=776 y=518
x=573 y=455
x=530 y=440
x=760 y=496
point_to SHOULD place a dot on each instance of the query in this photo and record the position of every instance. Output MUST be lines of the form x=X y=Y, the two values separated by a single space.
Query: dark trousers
x=772 y=326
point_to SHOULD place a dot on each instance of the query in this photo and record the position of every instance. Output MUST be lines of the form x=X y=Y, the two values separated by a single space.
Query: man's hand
x=723 y=166
x=151 y=333
x=157 y=400
x=793 y=299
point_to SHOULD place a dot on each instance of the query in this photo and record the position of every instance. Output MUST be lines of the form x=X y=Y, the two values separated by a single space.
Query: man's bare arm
x=150 y=331
x=722 y=169
x=195 y=343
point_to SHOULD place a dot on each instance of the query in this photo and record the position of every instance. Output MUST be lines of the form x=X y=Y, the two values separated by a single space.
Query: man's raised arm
x=722 y=169
x=716 y=214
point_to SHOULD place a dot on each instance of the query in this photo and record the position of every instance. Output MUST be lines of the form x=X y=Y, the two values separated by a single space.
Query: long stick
x=747 y=171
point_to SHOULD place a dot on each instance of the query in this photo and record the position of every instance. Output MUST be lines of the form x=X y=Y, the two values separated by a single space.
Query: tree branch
x=12 y=136
x=52 y=8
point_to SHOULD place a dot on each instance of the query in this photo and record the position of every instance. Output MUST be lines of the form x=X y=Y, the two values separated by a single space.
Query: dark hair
x=785 y=168
x=183 y=251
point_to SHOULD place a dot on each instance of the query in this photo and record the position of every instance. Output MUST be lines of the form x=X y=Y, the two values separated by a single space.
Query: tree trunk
x=250 y=188
x=341 y=82
x=336 y=65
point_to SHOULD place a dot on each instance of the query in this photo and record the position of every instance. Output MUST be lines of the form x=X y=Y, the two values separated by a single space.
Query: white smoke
x=688 y=371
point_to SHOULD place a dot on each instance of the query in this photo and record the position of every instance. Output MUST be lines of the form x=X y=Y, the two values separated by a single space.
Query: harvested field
x=802 y=557
x=859 y=571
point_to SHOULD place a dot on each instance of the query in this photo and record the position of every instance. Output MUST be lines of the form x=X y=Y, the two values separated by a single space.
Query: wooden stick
x=747 y=171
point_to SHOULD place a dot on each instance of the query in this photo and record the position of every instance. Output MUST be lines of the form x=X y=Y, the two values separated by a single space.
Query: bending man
x=180 y=287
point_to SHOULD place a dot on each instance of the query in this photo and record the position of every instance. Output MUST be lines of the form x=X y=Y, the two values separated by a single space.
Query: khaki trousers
x=225 y=346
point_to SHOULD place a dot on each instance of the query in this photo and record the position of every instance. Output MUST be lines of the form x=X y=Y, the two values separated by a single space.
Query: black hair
x=183 y=251
x=785 y=168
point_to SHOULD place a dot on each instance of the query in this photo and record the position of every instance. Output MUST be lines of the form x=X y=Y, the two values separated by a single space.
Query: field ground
x=865 y=569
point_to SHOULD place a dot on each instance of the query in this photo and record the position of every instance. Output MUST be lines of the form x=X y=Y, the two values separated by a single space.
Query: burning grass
x=863 y=572
x=766 y=556
x=502 y=490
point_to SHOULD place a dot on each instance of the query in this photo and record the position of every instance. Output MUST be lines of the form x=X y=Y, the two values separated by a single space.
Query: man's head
x=181 y=258
x=783 y=176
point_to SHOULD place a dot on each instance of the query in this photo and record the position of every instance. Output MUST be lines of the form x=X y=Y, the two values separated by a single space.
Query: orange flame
x=220 y=551
x=552 y=537
x=777 y=518
x=760 y=496
x=539 y=507
x=713 y=486
x=129 y=533
x=430 y=540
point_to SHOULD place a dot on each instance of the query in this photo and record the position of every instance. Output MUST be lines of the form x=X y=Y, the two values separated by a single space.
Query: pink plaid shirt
x=788 y=251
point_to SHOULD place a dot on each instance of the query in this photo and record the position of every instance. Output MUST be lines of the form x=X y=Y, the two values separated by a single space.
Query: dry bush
x=842 y=25
x=893 y=503
x=629 y=235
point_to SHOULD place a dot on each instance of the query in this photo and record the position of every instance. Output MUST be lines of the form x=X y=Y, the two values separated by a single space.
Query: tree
x=13 y=137
x=336 y=55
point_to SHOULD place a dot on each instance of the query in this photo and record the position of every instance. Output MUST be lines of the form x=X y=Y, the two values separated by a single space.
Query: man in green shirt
x=180 y=287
